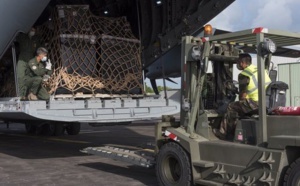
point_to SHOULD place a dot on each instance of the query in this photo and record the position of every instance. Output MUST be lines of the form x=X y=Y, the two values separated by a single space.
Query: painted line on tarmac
x=21 y=135
x=68 y=141
x=91 y=131
x=50 y=139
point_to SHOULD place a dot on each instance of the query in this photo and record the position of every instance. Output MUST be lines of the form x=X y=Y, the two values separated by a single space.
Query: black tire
x=173 y=167
x=30 y=128
x=292 y=175
x=73 y=128
x=59 y=129
x=47 y=129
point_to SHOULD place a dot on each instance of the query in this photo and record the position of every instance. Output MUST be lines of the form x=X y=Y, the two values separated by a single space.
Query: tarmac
x=51 y=160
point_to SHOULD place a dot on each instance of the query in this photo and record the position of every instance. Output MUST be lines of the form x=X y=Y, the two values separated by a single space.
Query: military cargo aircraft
x=159 y=24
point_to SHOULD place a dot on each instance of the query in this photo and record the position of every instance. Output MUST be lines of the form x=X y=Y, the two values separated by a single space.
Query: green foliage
x=160 y=88
x=149 y=89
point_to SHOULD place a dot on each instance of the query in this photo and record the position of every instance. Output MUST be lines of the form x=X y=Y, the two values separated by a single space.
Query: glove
x=46 y=77
x=48 y=65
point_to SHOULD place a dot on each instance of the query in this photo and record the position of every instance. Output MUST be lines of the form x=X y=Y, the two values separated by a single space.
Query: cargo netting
x=91 y=54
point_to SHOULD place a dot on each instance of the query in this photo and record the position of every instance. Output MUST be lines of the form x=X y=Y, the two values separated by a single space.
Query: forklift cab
x=245 y=131
x=275 y=97
x=223 y=54
x=265 y=148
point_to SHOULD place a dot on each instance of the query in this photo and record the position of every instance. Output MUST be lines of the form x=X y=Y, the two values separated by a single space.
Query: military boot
x=23 y=98
x=32 y=97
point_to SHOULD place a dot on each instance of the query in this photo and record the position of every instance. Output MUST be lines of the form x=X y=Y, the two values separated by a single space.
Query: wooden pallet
x=84 y=96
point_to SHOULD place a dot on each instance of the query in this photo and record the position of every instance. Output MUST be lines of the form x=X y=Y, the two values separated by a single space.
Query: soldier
x=37 y=68
x=22 y=68
x=248 y=96
x=27 y=44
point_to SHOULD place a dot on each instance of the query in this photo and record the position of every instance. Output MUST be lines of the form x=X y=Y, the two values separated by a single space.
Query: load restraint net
x=91 y=54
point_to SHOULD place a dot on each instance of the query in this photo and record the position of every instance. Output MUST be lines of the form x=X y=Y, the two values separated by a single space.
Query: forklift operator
x=248 y=97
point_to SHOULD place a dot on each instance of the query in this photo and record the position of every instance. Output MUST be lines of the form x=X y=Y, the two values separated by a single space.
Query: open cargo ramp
x=89 y=110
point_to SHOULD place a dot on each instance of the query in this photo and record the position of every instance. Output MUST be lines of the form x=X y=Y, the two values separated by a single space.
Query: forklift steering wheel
x=231 y=86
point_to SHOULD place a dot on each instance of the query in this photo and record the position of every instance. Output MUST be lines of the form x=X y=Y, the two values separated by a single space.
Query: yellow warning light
x=208 y=30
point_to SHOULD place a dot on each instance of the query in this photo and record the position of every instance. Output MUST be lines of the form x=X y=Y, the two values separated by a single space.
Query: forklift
x=265 y=148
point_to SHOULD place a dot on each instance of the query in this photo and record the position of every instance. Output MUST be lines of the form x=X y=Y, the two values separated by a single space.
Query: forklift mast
x=222 y=49
x=198 y=84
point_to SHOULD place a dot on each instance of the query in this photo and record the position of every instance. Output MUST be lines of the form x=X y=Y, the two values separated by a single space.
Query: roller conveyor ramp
x=94 y=110
x=140 y=156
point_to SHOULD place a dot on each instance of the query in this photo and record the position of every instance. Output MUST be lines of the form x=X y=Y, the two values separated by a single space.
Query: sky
x=246 y=14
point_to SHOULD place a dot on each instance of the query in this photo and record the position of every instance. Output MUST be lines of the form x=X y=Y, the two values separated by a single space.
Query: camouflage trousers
x=234 y=111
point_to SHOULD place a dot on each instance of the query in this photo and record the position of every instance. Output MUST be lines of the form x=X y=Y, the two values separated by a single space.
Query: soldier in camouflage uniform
x=22 y=67
x=28 y=44
x=33 y=74
x=248 y=97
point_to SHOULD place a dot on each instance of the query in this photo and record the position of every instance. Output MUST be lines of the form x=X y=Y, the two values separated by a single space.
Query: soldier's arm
x=36 y=70
x=243 y=83
x=49 y=72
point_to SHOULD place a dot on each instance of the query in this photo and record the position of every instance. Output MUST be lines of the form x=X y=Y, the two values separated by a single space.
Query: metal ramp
x=140 y=157
x=93 y=110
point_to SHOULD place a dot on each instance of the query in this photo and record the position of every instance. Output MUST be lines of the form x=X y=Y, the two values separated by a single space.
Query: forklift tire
x=73 y=128
x=173 y=167
x=292 y=175
x=30 y=128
